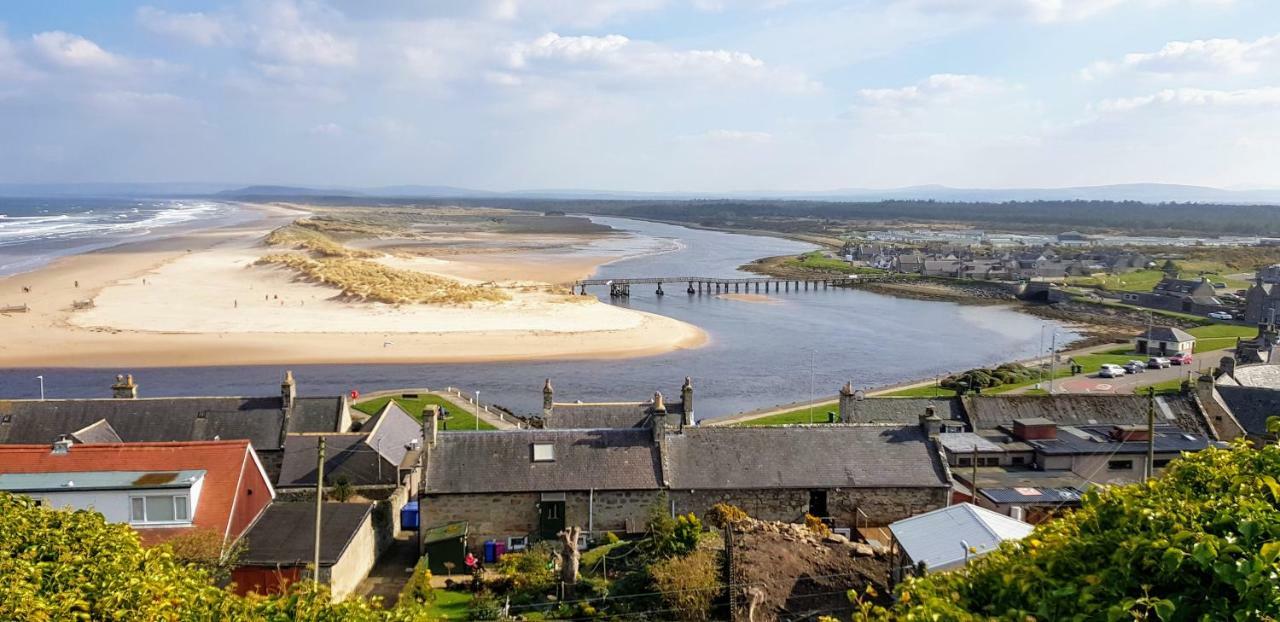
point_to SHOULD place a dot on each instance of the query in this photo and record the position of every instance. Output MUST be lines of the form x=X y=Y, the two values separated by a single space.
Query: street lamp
x=41 y=379
x=477 y=410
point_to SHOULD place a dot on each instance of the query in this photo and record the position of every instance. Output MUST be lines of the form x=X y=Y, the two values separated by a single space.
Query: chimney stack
x=288 y=390
x=124 y=388
x=658 y=417
x=548 y=397
x=62 y=446
x=930 y=423
x=435 y=425
x=686 y=401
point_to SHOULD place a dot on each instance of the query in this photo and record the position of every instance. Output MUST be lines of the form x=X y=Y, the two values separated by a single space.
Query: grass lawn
x=816 y=261
x=1157 y=312
x=1145 y=280
x=459 y=419
x=1168 y=387
x=928 y=390
x=449 y=605
x=799 y=415
x=1219 y=336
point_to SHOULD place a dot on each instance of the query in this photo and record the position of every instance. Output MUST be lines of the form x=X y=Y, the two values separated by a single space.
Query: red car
x=1180 y=359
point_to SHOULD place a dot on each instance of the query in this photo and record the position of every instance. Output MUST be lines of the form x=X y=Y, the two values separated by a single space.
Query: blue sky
x=679 y=95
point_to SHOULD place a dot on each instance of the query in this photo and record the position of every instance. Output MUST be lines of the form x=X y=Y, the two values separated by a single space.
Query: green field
x=459 y=419
x=1219 y=336
x=449 y=605
x=799 y=415
x=1145 y=280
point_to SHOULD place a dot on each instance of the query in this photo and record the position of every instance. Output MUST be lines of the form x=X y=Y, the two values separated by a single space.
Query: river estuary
x=793 y=347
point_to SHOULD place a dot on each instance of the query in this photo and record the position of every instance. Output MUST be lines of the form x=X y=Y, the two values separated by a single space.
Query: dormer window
x=159 y=509
x=544 y=452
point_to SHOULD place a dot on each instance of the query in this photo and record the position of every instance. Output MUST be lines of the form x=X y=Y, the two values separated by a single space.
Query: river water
x=801 y=345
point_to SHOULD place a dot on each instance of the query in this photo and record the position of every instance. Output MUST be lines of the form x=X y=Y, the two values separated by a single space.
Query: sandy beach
x=199 y=299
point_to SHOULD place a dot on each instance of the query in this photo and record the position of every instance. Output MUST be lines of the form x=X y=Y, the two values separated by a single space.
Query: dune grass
x=375 y=282
x=297 y=236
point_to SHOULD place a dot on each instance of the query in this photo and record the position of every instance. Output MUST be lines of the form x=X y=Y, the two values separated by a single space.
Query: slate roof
x=222 y=461
x=1095 y=439
x=1258 y=376
x=99 y=431
x=285 y=533
x=901 y=410
x=1251 y=406
x=936 y=537
x=163 y=419
x=820 y=456
x=574 y=416
x=1166 y=333
x=1179 y=286
x=987 y=413
x=392 y=432
x=502 y=461
x=346 y=457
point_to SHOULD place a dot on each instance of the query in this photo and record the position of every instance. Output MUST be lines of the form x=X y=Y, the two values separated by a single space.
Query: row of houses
x=246 y=467
x=1010 y=266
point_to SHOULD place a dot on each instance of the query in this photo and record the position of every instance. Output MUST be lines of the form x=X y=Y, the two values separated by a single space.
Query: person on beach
x=77 y=284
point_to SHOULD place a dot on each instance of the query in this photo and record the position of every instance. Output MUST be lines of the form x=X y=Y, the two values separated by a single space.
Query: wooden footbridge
x=621 y=288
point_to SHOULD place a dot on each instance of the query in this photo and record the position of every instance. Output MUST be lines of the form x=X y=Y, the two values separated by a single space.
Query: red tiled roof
x=227 y=464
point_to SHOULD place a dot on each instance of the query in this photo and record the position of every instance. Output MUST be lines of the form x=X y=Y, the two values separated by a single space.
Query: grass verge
x=459 y=419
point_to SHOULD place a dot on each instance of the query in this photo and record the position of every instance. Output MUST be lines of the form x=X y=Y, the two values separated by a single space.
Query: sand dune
x=199 y=299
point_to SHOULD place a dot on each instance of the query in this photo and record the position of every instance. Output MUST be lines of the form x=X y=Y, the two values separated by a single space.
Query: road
x=1127 y=383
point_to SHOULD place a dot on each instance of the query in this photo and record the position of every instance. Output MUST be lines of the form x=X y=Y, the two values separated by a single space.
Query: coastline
x=187 y=300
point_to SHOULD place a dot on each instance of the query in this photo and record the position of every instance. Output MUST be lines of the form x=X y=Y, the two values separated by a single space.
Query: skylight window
x=544 y=452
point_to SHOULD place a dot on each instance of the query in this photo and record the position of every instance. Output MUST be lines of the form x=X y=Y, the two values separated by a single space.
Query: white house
x=1164 y=341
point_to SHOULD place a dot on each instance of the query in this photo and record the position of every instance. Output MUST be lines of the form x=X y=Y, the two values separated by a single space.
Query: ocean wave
x=104 y=224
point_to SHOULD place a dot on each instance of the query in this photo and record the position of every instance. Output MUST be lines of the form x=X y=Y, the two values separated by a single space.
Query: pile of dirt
x=781 y=571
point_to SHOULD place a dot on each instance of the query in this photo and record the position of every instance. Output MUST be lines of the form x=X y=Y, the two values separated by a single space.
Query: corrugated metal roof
x=99 y=480
x=939 y=538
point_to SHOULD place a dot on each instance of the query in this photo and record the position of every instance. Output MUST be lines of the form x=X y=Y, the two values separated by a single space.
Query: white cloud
x=1044 y=11
x=937 y=88
x=733 y=136
x=615 y=57
x=326 y=129
x=1201 y=56
x=70 y=51
x=284 y=35
x=198 y=28
x=1266 y=97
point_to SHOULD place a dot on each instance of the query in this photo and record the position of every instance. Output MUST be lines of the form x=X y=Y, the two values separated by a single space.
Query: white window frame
x=173 y=499
x=549 y=456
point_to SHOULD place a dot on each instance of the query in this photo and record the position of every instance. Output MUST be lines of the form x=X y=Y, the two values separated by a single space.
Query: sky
x=645 y=95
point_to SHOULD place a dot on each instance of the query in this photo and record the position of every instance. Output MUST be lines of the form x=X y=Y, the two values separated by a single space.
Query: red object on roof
x=234 y=493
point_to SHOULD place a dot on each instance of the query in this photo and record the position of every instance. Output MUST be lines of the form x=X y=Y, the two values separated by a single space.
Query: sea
x=34 y=232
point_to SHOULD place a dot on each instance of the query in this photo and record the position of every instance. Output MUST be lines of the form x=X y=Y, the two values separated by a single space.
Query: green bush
x=418 y=589
x=689 y=583
x=611 y=538
x=1201 y=542
x=531 y=571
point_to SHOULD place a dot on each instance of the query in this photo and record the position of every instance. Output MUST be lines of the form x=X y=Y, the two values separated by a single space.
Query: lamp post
x=41 y=379
x=477 y=410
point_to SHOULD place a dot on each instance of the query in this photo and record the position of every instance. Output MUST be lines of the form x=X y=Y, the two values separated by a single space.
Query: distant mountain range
x=1147 y=193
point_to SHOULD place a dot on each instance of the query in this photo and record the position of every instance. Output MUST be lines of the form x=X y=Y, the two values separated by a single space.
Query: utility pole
x=1053 y=359
x=319 y=504
x=430 y=411
x=1151 y=432
x=477 y=415
x=973 y=484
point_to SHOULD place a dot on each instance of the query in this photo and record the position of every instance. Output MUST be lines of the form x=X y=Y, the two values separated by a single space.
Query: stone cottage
x=517 y=484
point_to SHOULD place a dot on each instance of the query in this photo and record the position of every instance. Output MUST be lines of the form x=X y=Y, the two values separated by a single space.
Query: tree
x=342 y=490
x=689 y=583
x=206 y=549
x=569 y=555
x=71 y=565
x=1198 y=543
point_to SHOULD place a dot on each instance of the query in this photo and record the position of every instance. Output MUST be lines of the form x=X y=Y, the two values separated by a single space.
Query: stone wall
x=502 y=515
x=881 y=506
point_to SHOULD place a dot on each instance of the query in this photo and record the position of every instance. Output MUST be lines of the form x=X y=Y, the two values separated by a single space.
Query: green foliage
x=484 y=606
x=669 y=537
x=986 y=378
x=611 y=538
x=722 y=515
x=204 y=548
x=342 y=490
x=62 y=565
x=1202 y=542
x=532 y=570
x=689 y=583
x=418 y=589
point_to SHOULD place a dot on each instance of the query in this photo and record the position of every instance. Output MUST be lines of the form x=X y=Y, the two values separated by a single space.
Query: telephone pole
x=1151 y=432
x=319 y=504
x=973 y=485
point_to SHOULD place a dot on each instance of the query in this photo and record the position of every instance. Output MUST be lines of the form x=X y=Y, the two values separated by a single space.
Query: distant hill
x=288 y=191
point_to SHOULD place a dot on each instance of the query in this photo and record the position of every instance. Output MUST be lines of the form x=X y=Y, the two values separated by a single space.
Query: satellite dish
x=859 y=395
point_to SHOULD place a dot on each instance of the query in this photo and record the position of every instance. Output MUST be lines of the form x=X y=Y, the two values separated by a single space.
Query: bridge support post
x=659 y=292
x=788 y=285
x=806 y=286
x=583 y=291
x=735 y=288
x=690 y=290
x=757 y=287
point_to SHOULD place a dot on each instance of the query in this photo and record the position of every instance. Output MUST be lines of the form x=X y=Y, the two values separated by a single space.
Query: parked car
x=1109 y=370
x=1220 y=315
x=1134 y=367
x=1158 y=362
x=1180 y=359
